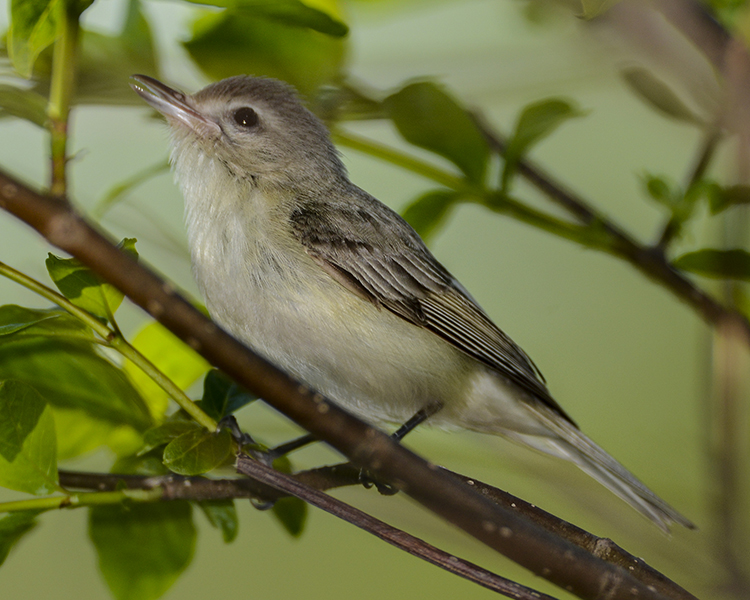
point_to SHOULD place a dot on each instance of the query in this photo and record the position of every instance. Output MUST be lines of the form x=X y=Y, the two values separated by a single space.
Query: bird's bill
x=171 y=103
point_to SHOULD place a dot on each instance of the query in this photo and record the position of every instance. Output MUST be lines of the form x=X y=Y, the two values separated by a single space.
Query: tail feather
x=570 y=443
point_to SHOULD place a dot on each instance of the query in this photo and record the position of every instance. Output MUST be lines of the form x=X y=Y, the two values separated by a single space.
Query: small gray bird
x=328 y=283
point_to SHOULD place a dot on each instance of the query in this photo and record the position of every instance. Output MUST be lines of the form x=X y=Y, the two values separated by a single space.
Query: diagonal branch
x=507 y=532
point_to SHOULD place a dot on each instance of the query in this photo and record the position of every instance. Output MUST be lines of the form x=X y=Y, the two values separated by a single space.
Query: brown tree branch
x=265 y=484
x=507 y=532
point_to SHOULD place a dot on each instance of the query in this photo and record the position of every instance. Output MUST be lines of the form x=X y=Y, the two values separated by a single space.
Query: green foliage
x=142 y=548
x=197 y=452
x=175 y=359
x=12 y=528
x=235 y=42
x=659 y=95
x=429 y=211
x=292 y=514
x=536 y=122
x=28 y=459
x=222 y=515
x=33 y=28
x=718 y=264
x=84 y=289
x=428 y=117
x=222 y=396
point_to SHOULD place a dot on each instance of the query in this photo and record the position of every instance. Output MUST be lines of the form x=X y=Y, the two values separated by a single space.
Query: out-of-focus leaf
x=197 y=452
x=12 y=528
x=24 y=104
x=536 y=122
x=72 y=374
x=428 y=212
x=222 y=396
x=28 y=459
x=659 y=189
x=718 y=264
x=233 y=42
x=722 y=198
x=430 y=118
x=166 y=432
x=178 y=361
x=142 y=548
x=84 y=288
x=150 y=465
x=33 y=27
x=287 y=12
x=79 y=433
x=659 y=95
x=222 y=514
x=292 y=514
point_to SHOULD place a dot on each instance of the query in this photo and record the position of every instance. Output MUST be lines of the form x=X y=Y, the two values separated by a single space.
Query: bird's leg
x=286 y=448
x=419 y=417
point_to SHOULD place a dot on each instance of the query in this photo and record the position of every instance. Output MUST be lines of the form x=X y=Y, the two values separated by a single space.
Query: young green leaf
x=428 y=212
x=72 y=374
x=659 y=95
x=83 y=288
x=232 y=42
x=79 y=433
x=28 y=459
x=222 y=514
x=665 y=193
x=12 y=528
x=428 y=117
x=173 y=357
x=222 y=396
x=536 y=122
x=166 y=432
x=718 y=264
x=197 y=452
x=142 y=548
x=33 y=27
x=288 y=12
x=292 y=514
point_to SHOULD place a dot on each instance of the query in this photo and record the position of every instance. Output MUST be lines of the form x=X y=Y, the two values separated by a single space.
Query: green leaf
x=288 y=12
x=166 y=432
x=84 y=288
x=428 y=117
x=197 y=452
x=33 y=27
x=536 y=122
x=24 y=104
x=659 y=95
x=79 y=433
x=659 y=189
x=428 y=212
x=222 y=514
x=718 y=264
x=721 y=198
x=174 y=358
x=222 y=396
x=232 y=42
x=149 y=464
x=28 y=460
x=142 y=548
x=20 y=321
x=12 y=528
x=292 y=514
x=72 y=374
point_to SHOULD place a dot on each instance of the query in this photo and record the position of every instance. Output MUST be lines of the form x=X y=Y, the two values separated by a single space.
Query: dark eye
x=246 y=117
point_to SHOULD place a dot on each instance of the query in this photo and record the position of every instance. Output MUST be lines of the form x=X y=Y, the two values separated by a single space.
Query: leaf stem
x=61 y=92
x=79 y=499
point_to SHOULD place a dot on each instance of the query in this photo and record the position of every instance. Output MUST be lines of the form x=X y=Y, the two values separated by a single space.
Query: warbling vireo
x=334 y=287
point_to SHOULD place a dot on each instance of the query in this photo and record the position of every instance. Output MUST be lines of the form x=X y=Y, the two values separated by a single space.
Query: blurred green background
x=623 y=357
